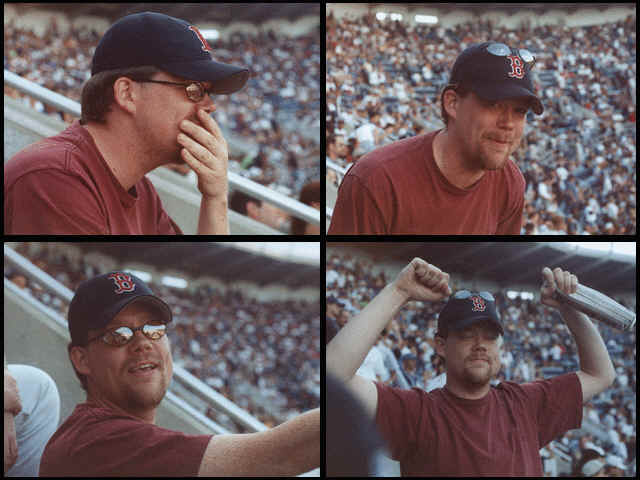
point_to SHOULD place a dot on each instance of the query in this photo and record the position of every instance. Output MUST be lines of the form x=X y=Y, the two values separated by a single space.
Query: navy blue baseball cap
x=168 y=43
x=495 y=71
x=465 y=308
x=101 y=298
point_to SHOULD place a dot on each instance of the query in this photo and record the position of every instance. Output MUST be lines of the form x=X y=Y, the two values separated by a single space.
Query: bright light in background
x=302 y=252
x=381 y=16
x=429 y=19
x=174 y=282
x=210 y=34
x=512 y=294
x=626 y=248
x=144 y=276
x=167 y=280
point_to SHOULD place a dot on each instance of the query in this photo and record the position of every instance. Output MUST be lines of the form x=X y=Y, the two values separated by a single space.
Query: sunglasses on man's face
x=120 y=336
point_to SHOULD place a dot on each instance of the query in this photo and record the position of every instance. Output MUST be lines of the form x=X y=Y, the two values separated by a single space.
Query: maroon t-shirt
x=96 y=441
x=62 y=185
x=439 y=434
x=399 y=189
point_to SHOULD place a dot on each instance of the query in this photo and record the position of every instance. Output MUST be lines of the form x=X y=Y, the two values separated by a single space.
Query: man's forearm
x=213 y=216
x=594 y=357
x=303 y=439
x=346 y=352
x=289 y=449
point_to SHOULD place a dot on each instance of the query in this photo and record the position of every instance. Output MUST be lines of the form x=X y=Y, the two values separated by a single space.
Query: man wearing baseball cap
x=471 y=427
x=146 y=104
x=457 y=180
x=121 y=354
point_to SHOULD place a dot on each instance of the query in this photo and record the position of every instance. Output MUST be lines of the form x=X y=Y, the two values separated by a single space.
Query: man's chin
x=478 y=376
x=144 y=400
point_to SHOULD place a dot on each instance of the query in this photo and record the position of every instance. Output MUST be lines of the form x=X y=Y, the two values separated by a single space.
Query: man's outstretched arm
x=289 y=449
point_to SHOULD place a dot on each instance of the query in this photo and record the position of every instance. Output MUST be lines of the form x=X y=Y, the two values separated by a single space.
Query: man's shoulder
x=63 y=153
x=398 y=155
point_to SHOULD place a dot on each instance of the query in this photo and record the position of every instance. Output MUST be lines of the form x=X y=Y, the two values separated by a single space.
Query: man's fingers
x=562 y=280
x=210 y=124
x=198 y=150
x=431 y=276
x=428 y=274
x=443 y=286
x=420 y=267
x=207 y=133
x=547 y=276
x=195 y=135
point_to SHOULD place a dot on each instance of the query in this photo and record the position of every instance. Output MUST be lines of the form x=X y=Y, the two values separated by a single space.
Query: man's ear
x=79 y=357
x=126 y=94
x=450 y=100
x=440 y=346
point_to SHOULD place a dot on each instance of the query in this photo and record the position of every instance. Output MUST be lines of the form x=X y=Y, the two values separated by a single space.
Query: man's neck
x=147 y=416
x=450 y=161
x=119 y=156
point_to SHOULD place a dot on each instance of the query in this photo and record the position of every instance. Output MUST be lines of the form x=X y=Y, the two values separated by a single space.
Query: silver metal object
x=598 y=306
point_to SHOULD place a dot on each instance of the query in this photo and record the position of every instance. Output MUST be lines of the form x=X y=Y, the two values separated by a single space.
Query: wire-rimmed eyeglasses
x=195 y=90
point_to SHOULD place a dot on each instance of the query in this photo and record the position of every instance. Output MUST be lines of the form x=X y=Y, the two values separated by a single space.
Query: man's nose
x=140 y=340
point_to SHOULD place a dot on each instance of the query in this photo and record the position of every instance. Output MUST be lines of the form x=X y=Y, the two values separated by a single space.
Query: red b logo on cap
x=124 y=283
x=517 y=68
x=479 y=304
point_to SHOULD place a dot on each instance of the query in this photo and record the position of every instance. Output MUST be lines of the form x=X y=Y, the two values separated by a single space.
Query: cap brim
x=225 y=78
x=504 y=92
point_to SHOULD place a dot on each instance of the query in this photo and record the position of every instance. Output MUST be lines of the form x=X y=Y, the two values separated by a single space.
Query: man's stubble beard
x=138 y=399
x=476 y=378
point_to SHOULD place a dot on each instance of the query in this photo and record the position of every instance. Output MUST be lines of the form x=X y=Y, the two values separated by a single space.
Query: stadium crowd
x=262 y=355
x=383 y=83
x=537 y=345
